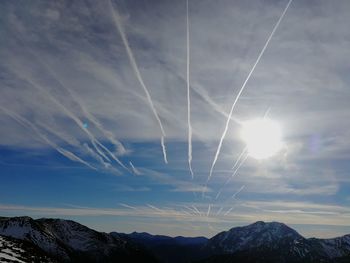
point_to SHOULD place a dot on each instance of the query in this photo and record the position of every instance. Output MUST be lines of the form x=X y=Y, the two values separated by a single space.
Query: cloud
x=78 y=59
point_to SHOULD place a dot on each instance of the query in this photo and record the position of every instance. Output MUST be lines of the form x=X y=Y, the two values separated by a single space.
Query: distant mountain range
x=23 y=239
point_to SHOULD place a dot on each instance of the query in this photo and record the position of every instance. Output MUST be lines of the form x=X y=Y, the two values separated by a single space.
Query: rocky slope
x=69 y=241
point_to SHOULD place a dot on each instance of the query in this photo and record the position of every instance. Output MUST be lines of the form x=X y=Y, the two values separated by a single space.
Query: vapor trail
x=195 y=208
x=229 y=179
x=219 y=211
x=191 y=209
x=128 y=206
x=188 y=91
x=87 y=114
x=200 y=91
x=186 y=213
x=243 y=86
x=239 y=190
x=239 y=157
x=134 y=169
x=97 y=145
x=208 y=212
x=155 y=208
x=116 y=19
x=62 y=151
x=228 y=211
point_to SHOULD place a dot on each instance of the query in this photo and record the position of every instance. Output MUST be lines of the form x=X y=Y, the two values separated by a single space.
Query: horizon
x=176 y=117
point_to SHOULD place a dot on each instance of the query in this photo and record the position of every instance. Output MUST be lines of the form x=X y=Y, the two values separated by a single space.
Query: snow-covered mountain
x=333 y=247
x=15 y=250
x=274 y=242
x=69 y=241
x=23 y=239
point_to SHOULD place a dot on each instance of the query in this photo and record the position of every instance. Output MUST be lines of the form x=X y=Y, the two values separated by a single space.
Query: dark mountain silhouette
x=170 y=249
x=68 y=241
x=57 y=240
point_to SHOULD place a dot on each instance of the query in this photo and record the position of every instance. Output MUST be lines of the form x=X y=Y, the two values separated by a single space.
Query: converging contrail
x=188 y=91
x=155 y=208
x=219 y=211
x=190 y=208
x=208 y=212
x=116 y=19
x=229 y=211
x=24 y=122
x=239 y=190
x=97 y=145
x=240 y=157
x=229 y=179
x=196 y=209
x=88 y=115
x=243 y=86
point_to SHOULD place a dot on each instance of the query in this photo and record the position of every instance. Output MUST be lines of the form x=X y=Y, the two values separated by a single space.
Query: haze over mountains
x=23 y=239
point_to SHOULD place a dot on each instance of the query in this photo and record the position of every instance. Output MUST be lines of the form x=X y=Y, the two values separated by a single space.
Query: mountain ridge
x=70 y=241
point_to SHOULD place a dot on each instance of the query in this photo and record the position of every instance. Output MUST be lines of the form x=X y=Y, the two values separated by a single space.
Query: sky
x=94 y=127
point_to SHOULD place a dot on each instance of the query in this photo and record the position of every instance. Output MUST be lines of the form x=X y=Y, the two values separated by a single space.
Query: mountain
x=170 y=249
x=23 y=239
x=152 y=240
x=15 y=250
x=274 y=242
x=70 y=241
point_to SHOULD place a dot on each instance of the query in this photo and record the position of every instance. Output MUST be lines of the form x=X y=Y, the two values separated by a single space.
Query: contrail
x=239 y=190
x=190 y=208
x=155 y=208
x=239 y=157
x=106 y=165
x=243 y=86
x=188 y=91
x=97 y=145
x=229 y=179
x=201 y=92
x=72 y=156
x=228 y=211
x=195 y=208
x=208 y=212
x=186 y=213
x=128 y=206
x=62 y=151
x=116 y=19
x=134 y=169
x=219 y=211
x=87 y=114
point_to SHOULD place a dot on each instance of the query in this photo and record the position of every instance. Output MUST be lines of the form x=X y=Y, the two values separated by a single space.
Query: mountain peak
x=254 y=235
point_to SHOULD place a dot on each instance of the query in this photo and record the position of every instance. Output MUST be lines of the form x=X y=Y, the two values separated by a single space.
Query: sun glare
x=263 y=138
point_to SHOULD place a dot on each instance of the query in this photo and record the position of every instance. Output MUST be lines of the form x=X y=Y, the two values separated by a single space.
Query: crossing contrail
x=229 y=179
x=196 y=209
x=134 y=169
x=243 y=86
x=219 y=211
x=188 y=91
x=240 y=157
x=228 y=211
x=24 y=122
x=88 y=115
x=97 y=145
x=155 y=208
x=190 y=208
x=239 y=190
x=201 y=92
x=208 y=212
x=116 y=19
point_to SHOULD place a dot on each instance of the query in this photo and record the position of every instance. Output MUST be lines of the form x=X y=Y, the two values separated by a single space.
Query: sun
x=262 y=137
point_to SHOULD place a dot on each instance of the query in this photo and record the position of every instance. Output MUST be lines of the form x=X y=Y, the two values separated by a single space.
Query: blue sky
x=82 y=84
